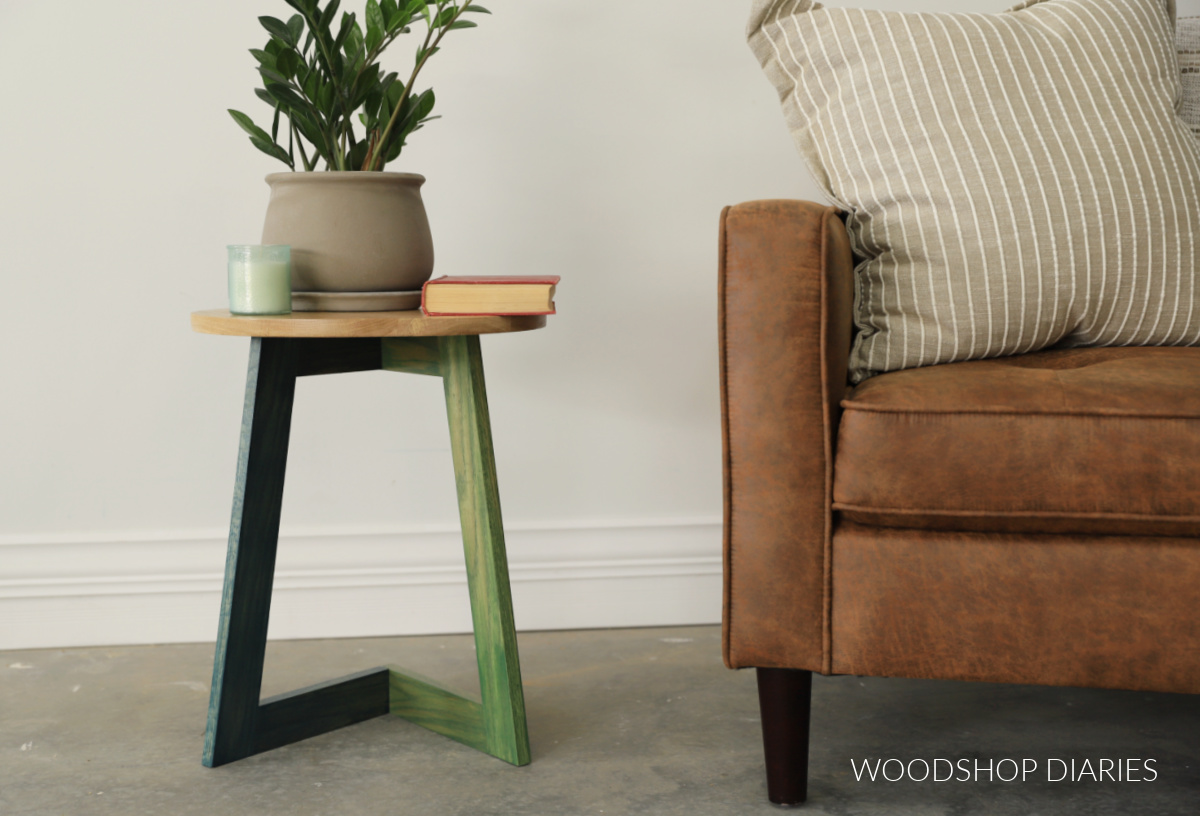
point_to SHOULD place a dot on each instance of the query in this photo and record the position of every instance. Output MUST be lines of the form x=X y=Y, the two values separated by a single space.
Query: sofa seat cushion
x=1100 y=441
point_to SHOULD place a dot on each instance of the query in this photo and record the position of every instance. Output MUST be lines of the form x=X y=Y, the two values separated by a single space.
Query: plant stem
x=300 y=144
x=291 y=143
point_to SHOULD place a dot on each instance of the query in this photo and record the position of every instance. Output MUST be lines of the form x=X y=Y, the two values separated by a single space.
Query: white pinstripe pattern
x=1187 y=43
x=1147 y=29
x=1013 y=181
x=1058 y=326
x=1118 y=53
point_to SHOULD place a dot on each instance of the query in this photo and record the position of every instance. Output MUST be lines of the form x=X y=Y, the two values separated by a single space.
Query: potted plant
x=359 y=236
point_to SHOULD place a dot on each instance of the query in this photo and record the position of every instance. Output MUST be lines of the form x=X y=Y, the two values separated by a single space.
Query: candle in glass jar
x=260 y=279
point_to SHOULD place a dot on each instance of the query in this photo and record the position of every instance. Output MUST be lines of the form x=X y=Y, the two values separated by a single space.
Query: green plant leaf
x=314 y=134
x=461 y=24
x=358 y=154
x=265 y=97
x=374 y=19
x=393 y=96
x=246 y=124
x=382 y=89
x=370 y=108
x=327 y=15
x=286 y=95
x=308 y=128
x=271 y=75
x=263 y=57
x=278 y=28
x=357 y=33
x=305 y=71
x=415 y=111
x=335 y=64
x=367 y=81
x=479 y=9
x=345 y=83
x=393 y=152
x=311 y=85
x=287 y=63
x=272 y=149
x=343 y=41
x=296 y=25
x=325 y=96
x=425 y=103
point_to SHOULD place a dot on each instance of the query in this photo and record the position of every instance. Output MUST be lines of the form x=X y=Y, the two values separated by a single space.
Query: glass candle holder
x=260 y=279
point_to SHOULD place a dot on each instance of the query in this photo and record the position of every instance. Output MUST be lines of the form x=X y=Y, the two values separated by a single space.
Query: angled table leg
x=250 y=563
x=483 y=541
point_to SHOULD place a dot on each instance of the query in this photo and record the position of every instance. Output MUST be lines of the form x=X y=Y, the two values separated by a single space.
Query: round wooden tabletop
x=358 y=324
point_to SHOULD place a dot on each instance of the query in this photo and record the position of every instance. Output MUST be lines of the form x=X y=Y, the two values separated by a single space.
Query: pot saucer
x=356 y=301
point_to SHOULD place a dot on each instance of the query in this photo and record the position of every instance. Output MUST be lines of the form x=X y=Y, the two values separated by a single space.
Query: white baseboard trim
x=63 y=590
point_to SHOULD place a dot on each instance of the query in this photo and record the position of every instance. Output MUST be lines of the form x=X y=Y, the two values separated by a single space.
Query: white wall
x=588 y=140
x=596 y=141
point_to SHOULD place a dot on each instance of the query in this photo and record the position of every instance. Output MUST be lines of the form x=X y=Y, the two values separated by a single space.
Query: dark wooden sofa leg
x=785 y=698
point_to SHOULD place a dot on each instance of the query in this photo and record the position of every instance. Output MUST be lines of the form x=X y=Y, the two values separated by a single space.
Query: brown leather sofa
x=1029 y=519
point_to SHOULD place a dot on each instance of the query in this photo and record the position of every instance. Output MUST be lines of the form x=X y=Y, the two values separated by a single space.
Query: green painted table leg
x=483 y=541
x=250 y=563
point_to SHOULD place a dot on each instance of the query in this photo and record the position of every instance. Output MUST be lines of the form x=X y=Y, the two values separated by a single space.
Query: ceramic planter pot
x=356 y=237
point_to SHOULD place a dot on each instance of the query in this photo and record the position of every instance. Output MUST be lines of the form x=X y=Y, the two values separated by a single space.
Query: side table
x=309 y=343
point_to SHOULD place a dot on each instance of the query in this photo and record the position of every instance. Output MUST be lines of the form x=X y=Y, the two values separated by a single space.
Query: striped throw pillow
x=1187 y=43
x=1013 y=181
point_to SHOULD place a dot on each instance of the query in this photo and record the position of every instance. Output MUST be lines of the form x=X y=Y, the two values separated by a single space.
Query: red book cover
x=468 y=280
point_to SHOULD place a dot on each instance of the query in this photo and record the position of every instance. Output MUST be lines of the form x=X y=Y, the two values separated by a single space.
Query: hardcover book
x=452 y=295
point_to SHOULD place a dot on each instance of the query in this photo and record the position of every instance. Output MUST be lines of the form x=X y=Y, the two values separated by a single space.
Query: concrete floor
x=622 y=722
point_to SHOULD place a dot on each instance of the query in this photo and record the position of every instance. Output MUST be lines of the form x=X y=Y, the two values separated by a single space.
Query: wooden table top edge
x=358 y=324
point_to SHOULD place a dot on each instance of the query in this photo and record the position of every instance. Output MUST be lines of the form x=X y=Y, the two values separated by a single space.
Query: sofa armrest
x=786 y=297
